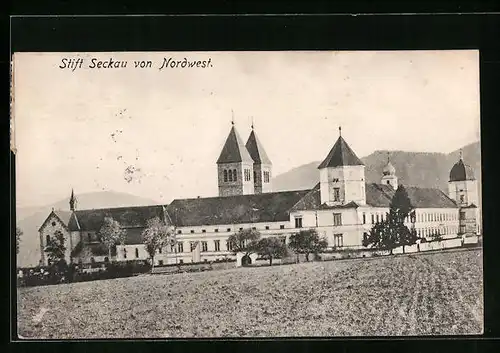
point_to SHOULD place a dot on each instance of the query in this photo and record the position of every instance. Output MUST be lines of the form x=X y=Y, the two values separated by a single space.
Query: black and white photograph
x=242 y=194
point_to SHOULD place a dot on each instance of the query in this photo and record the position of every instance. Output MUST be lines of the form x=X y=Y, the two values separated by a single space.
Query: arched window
x=230 y=175
x=124 y=253
x=225 y=175
x=136 y=253
x=234 y=175
x=47 y=239
x=254 y=175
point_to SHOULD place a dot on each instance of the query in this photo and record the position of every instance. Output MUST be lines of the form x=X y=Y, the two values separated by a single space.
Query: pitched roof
x=380 y=195
x=266 y=207
x=256 y=149
x=128 y=217
x=63 y=216
x=340 y=155
x=234 y=150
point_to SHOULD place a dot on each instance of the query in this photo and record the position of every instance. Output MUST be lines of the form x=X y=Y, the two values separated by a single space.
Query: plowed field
x=424 y=294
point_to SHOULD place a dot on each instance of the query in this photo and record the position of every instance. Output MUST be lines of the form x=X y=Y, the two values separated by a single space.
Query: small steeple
x=72 y=201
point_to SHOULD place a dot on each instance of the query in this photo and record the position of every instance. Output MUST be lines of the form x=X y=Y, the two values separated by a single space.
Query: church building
x=342 y=207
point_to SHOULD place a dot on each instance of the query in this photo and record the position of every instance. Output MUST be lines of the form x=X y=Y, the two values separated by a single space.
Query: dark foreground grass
x=425 y=294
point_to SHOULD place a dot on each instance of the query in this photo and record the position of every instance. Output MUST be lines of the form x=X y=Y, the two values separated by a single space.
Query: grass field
x=425 y=294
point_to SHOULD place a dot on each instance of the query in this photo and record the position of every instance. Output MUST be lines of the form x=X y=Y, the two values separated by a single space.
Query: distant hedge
x=63 y=273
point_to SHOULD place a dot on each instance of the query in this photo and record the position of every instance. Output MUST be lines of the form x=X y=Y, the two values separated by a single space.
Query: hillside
x=29 y=219
x=412 y=168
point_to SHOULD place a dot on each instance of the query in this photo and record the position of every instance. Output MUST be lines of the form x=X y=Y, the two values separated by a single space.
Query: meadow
x=423 y=294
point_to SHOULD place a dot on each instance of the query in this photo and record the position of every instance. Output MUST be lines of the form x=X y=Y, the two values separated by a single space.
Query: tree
x=56 y=247
x=270 y=248
x=156 y=235
x=19 y=234
x=244 y=241
x=111 y=234
x=392 y=231
x=307 y=242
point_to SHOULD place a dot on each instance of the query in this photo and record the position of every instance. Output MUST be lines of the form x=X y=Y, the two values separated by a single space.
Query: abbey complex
x=342 y=207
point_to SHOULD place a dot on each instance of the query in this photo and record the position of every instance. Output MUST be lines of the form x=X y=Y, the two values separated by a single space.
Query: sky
x=158 y=133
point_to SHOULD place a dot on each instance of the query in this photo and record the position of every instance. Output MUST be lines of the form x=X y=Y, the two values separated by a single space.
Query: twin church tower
x=243 y=169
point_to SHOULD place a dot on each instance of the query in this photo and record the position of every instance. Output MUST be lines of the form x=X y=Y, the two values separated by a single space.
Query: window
x=47 y=239
x=248 y=176
x=336 y=194
x=53 y=224
x=225 y=175
x=216 y=230
x=337 y=219
x=228 y=229
x=181 y=261
x=229 y=246
x=283 y=240
x=364 y=218
x=462 y=198
x=217 y=245
x=203 y=231
x=159 y=250
x=266 y=177
x=241 y=228
x=373 y=219
x=254 y=175
x=282 y=226
x=267 y=227
x=205 y=260
x=92 y=260
x=378 y=218
x=180 y=247
x=335 y=180
x=192 y=231
x=160 y=262
x=204 y=246
x=230 y=175
x=298 y=222
x=172 y=247
x=124 y=253
x=338 y=240
x=235 y=178
x=192 y=245
x=136 y=253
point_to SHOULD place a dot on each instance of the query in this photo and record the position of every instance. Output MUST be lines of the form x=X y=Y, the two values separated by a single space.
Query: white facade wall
x=52 y=225
x=464 y=192
x=350 y=180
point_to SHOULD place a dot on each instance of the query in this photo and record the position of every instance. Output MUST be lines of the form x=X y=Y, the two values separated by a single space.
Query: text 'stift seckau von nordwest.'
x=110 y=63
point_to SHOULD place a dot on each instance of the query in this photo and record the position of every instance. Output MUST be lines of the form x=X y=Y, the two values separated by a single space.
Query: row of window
x=216 y=230
x=230 y=175
x=420 y=217
x=337 y=220
x=430 y=232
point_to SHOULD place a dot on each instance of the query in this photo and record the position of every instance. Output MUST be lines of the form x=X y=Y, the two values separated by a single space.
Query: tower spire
x=232 y=117
x=340 y=131
x=72 y=200
x=388 y=157
x=252 y=123
x=461 y=154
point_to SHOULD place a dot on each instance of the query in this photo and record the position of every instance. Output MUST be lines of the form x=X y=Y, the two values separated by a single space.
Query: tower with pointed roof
x=389 y=174
x=262 y=166
x=462 y=186
x=342 y=176
x=72 y=201
x=235 y=167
